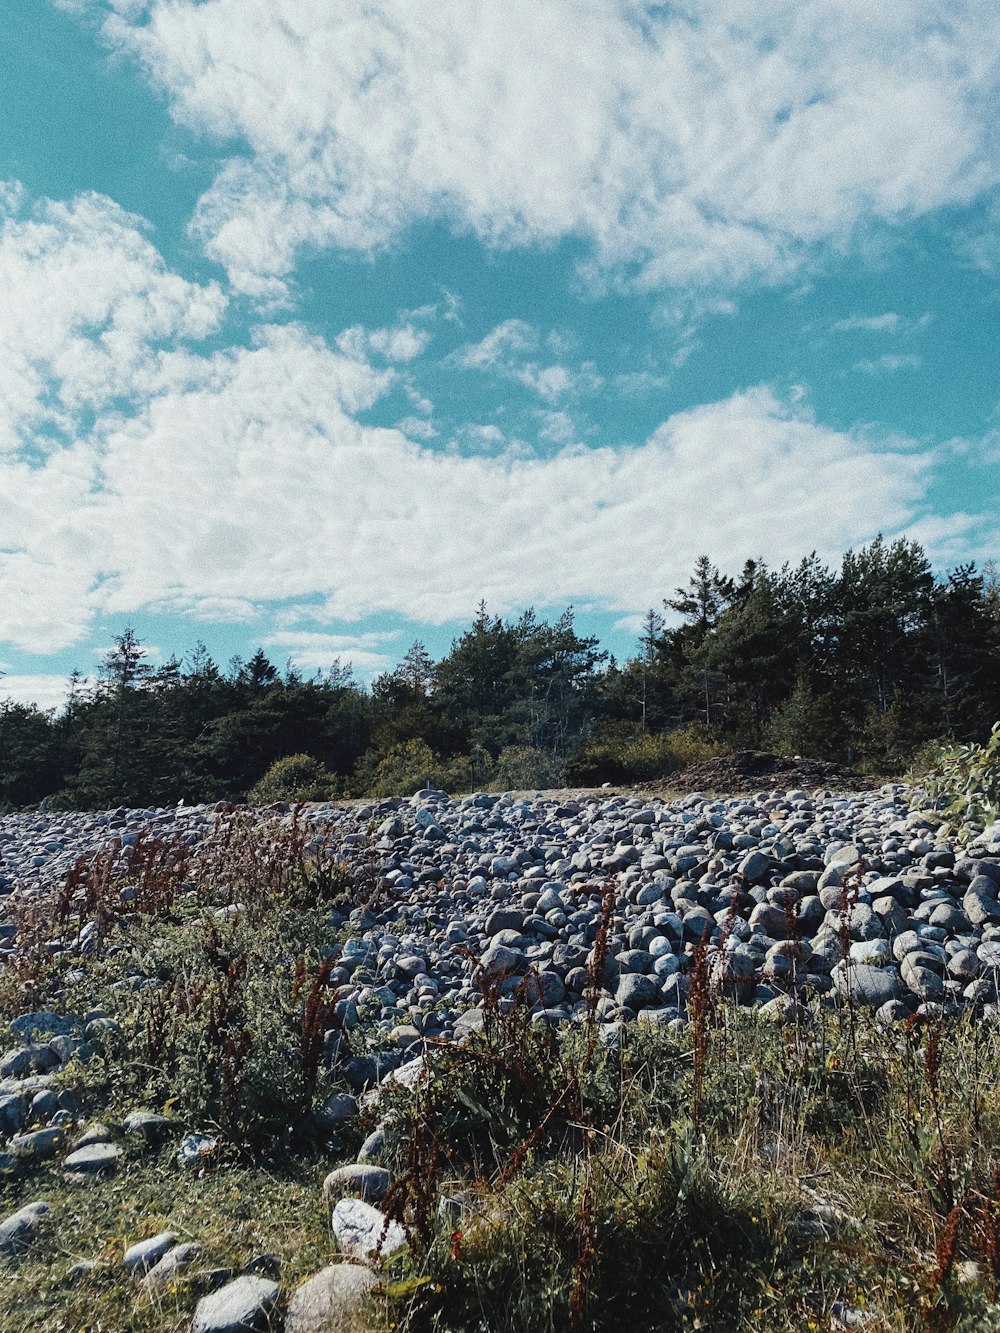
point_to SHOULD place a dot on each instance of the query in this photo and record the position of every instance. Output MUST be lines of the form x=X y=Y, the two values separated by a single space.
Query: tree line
x=864 y=664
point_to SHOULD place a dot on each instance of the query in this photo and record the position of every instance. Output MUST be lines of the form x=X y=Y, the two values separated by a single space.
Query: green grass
x=234 y=1212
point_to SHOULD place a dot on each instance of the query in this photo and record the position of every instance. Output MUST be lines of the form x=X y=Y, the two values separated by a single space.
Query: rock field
x=788 y=899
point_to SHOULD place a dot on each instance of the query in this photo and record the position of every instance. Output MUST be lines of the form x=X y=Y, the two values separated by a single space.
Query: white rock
x=362 y=1230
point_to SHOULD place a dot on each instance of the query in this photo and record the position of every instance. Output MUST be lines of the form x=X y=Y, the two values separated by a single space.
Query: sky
x=321 y=323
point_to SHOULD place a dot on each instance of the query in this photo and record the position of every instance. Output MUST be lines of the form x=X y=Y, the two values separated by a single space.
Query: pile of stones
x=786 y=899
x=785 y=896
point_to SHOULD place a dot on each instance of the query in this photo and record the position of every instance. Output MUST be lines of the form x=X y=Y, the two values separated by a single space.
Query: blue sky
x=319 y=323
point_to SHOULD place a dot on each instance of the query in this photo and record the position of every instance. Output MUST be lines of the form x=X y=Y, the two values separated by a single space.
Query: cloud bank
x=249 y=477
x=684 y=144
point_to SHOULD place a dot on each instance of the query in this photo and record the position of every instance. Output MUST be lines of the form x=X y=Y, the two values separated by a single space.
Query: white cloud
x=418 y=428
x=365 y=653
x=556 y=427
x=402 y=343
x=637 y=383
x=89 y=313
x=45 y=691
x=508 y=350
x=294 y=499
x=706 y=144
x=633 y=624
x=887 y=364
x=243 y=479
x=887 y=323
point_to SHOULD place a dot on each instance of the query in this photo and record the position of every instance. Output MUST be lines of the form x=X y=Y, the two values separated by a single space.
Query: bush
x=623 y=753
x=519 y=767
x=963 y=783
x=411 y=765
x=297 y=777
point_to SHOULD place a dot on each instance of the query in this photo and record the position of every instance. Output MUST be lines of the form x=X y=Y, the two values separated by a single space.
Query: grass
x=733 y=1174
x=234 y=1212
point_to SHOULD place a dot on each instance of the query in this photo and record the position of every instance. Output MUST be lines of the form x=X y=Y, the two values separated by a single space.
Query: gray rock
x=196 y=1149
x=754 y=867
x=869 y=986
x=241 y=1306
x=504 y=918
x=144 y=1254
x=331 y=1301
x=43 y=1024
x=965 y=966
x=498 y=959
x=96 y=1159
x=13 y=1113
x=39 y=1145
x=95 y=1133
x=980 y=903
x=924 y=983
x=362 y=1180
x=635 y=991
x=148 y=1125
x=16 y=1063
x=336 y=1110
x=19 y=1231
x=168 y=1269
x=376 y=1145
x=893 y=1011
x=972 y=868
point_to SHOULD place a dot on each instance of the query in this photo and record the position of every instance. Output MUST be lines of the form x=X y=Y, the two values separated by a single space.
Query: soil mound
x=757 y=770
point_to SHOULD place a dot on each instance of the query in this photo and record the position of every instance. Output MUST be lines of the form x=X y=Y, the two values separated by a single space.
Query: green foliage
x=520 y=767
x=963 y=783
x=622 y=753
x=408 y=767
x=212 y=1026
x=221 y=995
x=297 y=777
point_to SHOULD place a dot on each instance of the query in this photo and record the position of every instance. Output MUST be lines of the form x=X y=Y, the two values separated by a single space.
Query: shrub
x=623 y=753
x=963 y=783
x=519 y=767
x=411 y=765
x=297 y=777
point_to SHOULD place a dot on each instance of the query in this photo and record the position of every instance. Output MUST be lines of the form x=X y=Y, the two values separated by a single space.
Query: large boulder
x=331 y=1301
x=241 y=1306
x=866 y=985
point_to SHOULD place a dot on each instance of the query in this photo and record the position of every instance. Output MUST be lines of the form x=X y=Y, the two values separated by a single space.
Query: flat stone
x=870 y=986
x=166 y=1270
x=331 y=1300
x=241 y=1306
x=148 y=1125
x=95 y=1133
x=93 y=1160
x=336 y=1110
x=39 y=1144
x=43 y=1023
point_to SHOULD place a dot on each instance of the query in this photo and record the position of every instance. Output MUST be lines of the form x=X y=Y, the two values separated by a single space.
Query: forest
x=867 y=664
